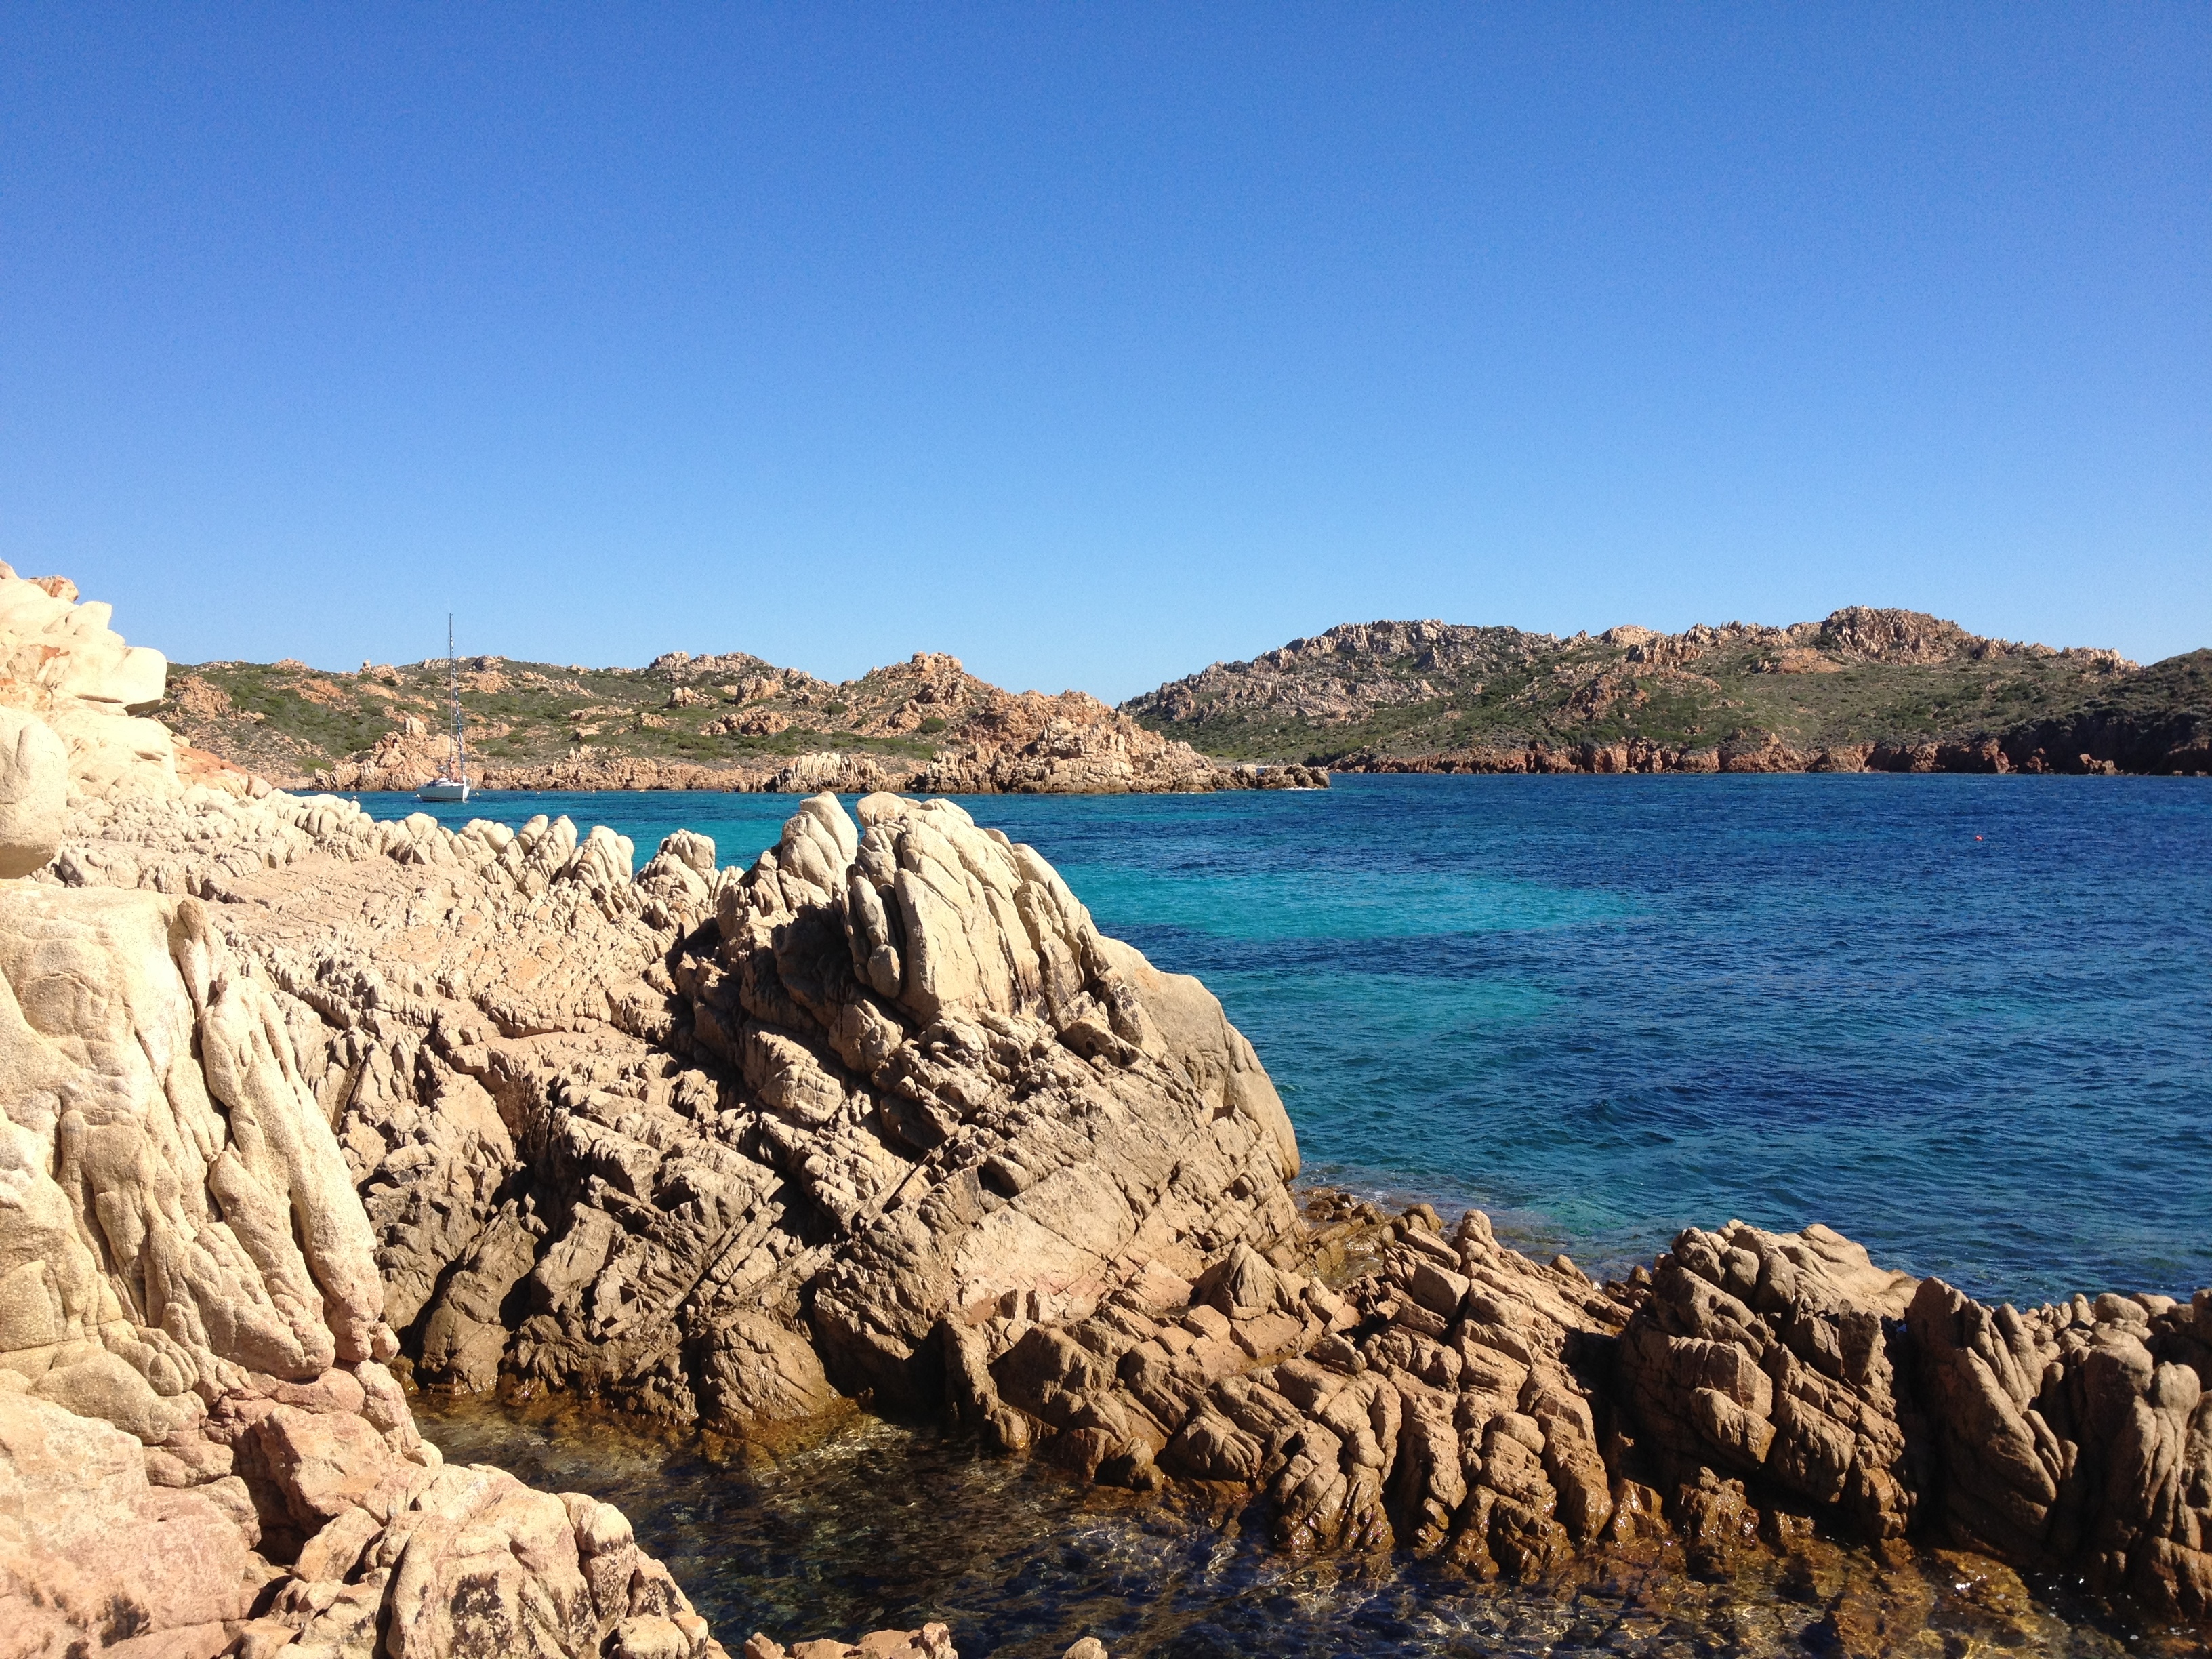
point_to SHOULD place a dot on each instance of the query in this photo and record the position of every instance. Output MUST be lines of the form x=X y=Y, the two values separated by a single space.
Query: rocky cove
x=300 y=1104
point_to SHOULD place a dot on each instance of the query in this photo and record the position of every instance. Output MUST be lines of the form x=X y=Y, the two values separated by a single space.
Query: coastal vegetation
x=1892 y=689
x=1424 y=696
x=287 y=719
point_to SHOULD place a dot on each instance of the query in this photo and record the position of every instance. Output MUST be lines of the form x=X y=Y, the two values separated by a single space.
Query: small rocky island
x=301 y=1108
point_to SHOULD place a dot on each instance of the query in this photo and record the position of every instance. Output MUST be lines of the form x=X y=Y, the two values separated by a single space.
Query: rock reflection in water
x=882 y=1525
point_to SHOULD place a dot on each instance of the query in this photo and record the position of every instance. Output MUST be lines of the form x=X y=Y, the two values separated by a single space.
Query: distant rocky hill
x=730 y=721
x=1890 y=689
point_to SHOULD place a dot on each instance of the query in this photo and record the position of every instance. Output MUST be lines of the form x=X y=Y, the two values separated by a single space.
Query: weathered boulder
x=1447 y=1401
x=61 y=661
x=87 y=1546
x=33 y=792
x=2075 y=1438
x=1765 y=1356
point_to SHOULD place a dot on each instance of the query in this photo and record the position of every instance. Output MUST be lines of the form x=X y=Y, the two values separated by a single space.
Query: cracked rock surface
x=203 y=1449
x=717 y=1146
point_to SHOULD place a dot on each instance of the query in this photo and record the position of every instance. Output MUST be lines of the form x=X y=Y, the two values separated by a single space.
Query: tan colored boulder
x=61 y=661
x=325 y=1463
x=33 y=792
x=1760 y=1353
x=59 y=653
x=758 y=1370
x=88 y=1548
x=219 y=1193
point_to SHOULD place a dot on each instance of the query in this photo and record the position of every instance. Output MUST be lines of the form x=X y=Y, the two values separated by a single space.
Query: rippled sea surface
x=1964 y=1020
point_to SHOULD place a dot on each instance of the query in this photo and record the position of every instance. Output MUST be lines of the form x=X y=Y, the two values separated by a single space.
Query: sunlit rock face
x=202 y=1447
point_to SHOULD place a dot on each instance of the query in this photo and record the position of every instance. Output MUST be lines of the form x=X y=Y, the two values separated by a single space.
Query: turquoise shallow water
x=1965 y=1020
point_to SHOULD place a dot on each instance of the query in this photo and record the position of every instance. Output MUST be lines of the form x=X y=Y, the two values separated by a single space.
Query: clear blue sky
x=1096 y=343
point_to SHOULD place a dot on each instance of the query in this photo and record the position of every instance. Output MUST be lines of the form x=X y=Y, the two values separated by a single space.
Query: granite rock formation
x=668 y=1138
x=708 y=1144
x=299 y=1100
x=60 y=661
x=1456 y=1398
x=202 y=1447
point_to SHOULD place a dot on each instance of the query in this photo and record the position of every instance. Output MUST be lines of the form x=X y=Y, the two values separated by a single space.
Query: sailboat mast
x=460 y=745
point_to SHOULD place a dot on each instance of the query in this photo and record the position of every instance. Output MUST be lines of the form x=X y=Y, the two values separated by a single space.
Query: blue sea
x=1964 y=1020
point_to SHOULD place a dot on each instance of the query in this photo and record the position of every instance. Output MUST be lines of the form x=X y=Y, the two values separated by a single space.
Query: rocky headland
x=1863 y=690
x=727 y=722
x=303 y=1109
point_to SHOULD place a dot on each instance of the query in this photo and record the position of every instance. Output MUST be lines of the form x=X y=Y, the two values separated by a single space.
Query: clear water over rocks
x=882 y=1525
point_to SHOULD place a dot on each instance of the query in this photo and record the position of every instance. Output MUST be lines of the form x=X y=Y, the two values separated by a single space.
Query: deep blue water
x=1965 y=1020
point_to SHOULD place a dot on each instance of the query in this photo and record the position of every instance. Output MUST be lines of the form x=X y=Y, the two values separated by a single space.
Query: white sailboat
x=452 y=783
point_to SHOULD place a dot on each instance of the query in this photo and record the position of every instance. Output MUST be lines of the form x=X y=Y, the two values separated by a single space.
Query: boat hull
x=443 y=789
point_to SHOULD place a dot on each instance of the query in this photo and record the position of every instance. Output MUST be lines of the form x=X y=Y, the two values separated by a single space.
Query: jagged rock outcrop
x=670 y=1138
x=2070 y=1438
x=705 y=1143
x=1346 y=673
x=1450 y=1400
x=1073 y=744
x=1457 y=1400
x=2076 y=1438
x=200 y=1439
x=202 y=1448
x=60 y=661
x=1063 y=754
x=1355 y=668
x=1763 y=1357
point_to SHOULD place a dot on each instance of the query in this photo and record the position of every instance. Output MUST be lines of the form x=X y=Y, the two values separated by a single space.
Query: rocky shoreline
x=730 y=722
x=1986 y=755
x=297 y=1099
x=1080 y=773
